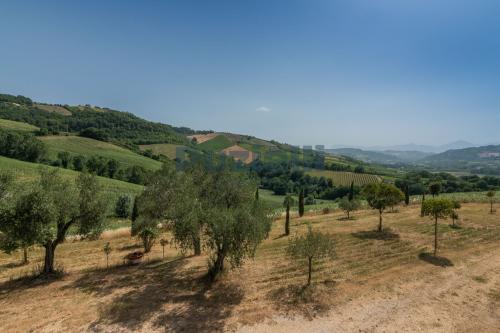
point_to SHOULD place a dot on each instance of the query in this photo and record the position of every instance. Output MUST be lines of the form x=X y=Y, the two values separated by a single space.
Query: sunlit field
x=171 y=294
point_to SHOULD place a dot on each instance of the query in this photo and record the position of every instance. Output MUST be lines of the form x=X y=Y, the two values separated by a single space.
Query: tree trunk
x=163 y=252
x=48 y=267
x=218 y=266
x=435 y=236
x=310 y=272
x=147 y=242
x=491 y=207
x=287 y=221
x=197 y=245
x=380 y=221
x=107 y=260
x=348 y=215
x=422 y=206
x=25 y=255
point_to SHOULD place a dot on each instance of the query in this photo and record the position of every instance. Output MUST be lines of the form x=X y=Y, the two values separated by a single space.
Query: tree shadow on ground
x=168 y=295
x=344 y=218
x=435 y=260
x=386 y=235
x=130 y=247
x=12 y=265
x=308 y=301
x=31 y=280
x=280 y=236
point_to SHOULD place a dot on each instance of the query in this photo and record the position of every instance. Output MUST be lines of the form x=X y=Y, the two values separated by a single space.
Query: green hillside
x=166 y=149
x=99 y=123
x=88 y=147
x=25 y=172
x=17 y=126
x=477 y=160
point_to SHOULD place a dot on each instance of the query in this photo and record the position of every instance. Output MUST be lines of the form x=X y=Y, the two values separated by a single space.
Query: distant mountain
x=425 y=148
x=482 y=160
x=408 y=156
x=366 y=155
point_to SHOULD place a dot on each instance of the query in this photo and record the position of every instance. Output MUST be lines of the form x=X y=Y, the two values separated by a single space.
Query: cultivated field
x=342 y=178
x=376 y=283
x=77 y=145
x=29 y=172
x=240 y=154
x=216 y=143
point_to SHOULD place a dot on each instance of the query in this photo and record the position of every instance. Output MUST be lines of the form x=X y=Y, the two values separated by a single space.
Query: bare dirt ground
x=377 y=283
x=200 y=138
x=240 y=154
x=454 y=299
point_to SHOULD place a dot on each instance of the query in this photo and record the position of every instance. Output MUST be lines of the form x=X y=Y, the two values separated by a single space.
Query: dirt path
x=454 y=299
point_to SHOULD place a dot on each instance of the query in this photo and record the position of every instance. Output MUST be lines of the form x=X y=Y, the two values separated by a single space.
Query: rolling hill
x=26 y=172
x=16 y=126
x=480 y=160
x=101 y=123
x=366 y=155
x=87 y=147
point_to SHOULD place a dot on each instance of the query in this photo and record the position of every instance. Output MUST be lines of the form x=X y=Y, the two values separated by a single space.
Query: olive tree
x=380 y=196
x=45 y=213
x=491 y=195
x=215 y=211
x=236 y=223
x=437 y=208
x=349 y=206
x=107 y=251
x=454 y=215
x=310 y=247
x=163 y=243
x=172 y=199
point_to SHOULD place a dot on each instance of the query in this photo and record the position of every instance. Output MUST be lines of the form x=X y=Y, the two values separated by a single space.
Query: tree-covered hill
x=98 y=123
x=478 y=160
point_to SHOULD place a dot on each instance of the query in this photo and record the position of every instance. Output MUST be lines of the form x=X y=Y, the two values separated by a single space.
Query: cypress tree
x=422 y=207
x=407 y=194
x=257 y=194
x=134 y=216
x=301 y=203
x=351 y=192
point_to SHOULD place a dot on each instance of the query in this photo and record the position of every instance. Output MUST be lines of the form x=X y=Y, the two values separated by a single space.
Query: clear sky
x=304 y=72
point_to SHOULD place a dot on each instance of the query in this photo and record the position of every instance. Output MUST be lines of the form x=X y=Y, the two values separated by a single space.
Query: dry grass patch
x=172 y=295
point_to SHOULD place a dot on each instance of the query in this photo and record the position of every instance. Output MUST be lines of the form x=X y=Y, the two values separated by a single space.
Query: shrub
x=123 y=206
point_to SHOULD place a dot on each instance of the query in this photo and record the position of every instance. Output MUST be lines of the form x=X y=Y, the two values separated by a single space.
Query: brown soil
x=377 y=283
x=240 y=154
x=200 y=138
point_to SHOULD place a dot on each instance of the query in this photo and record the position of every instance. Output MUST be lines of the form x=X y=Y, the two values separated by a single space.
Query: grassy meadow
x=16 y=126
x=25 y=172
x=276 y=202
x=76 y=145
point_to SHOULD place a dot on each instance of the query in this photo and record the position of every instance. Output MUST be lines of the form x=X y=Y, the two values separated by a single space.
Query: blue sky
x=304 y=72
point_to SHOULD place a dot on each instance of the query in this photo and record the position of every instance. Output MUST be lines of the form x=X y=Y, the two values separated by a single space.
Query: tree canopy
x=44 y=214
x=380 y=196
